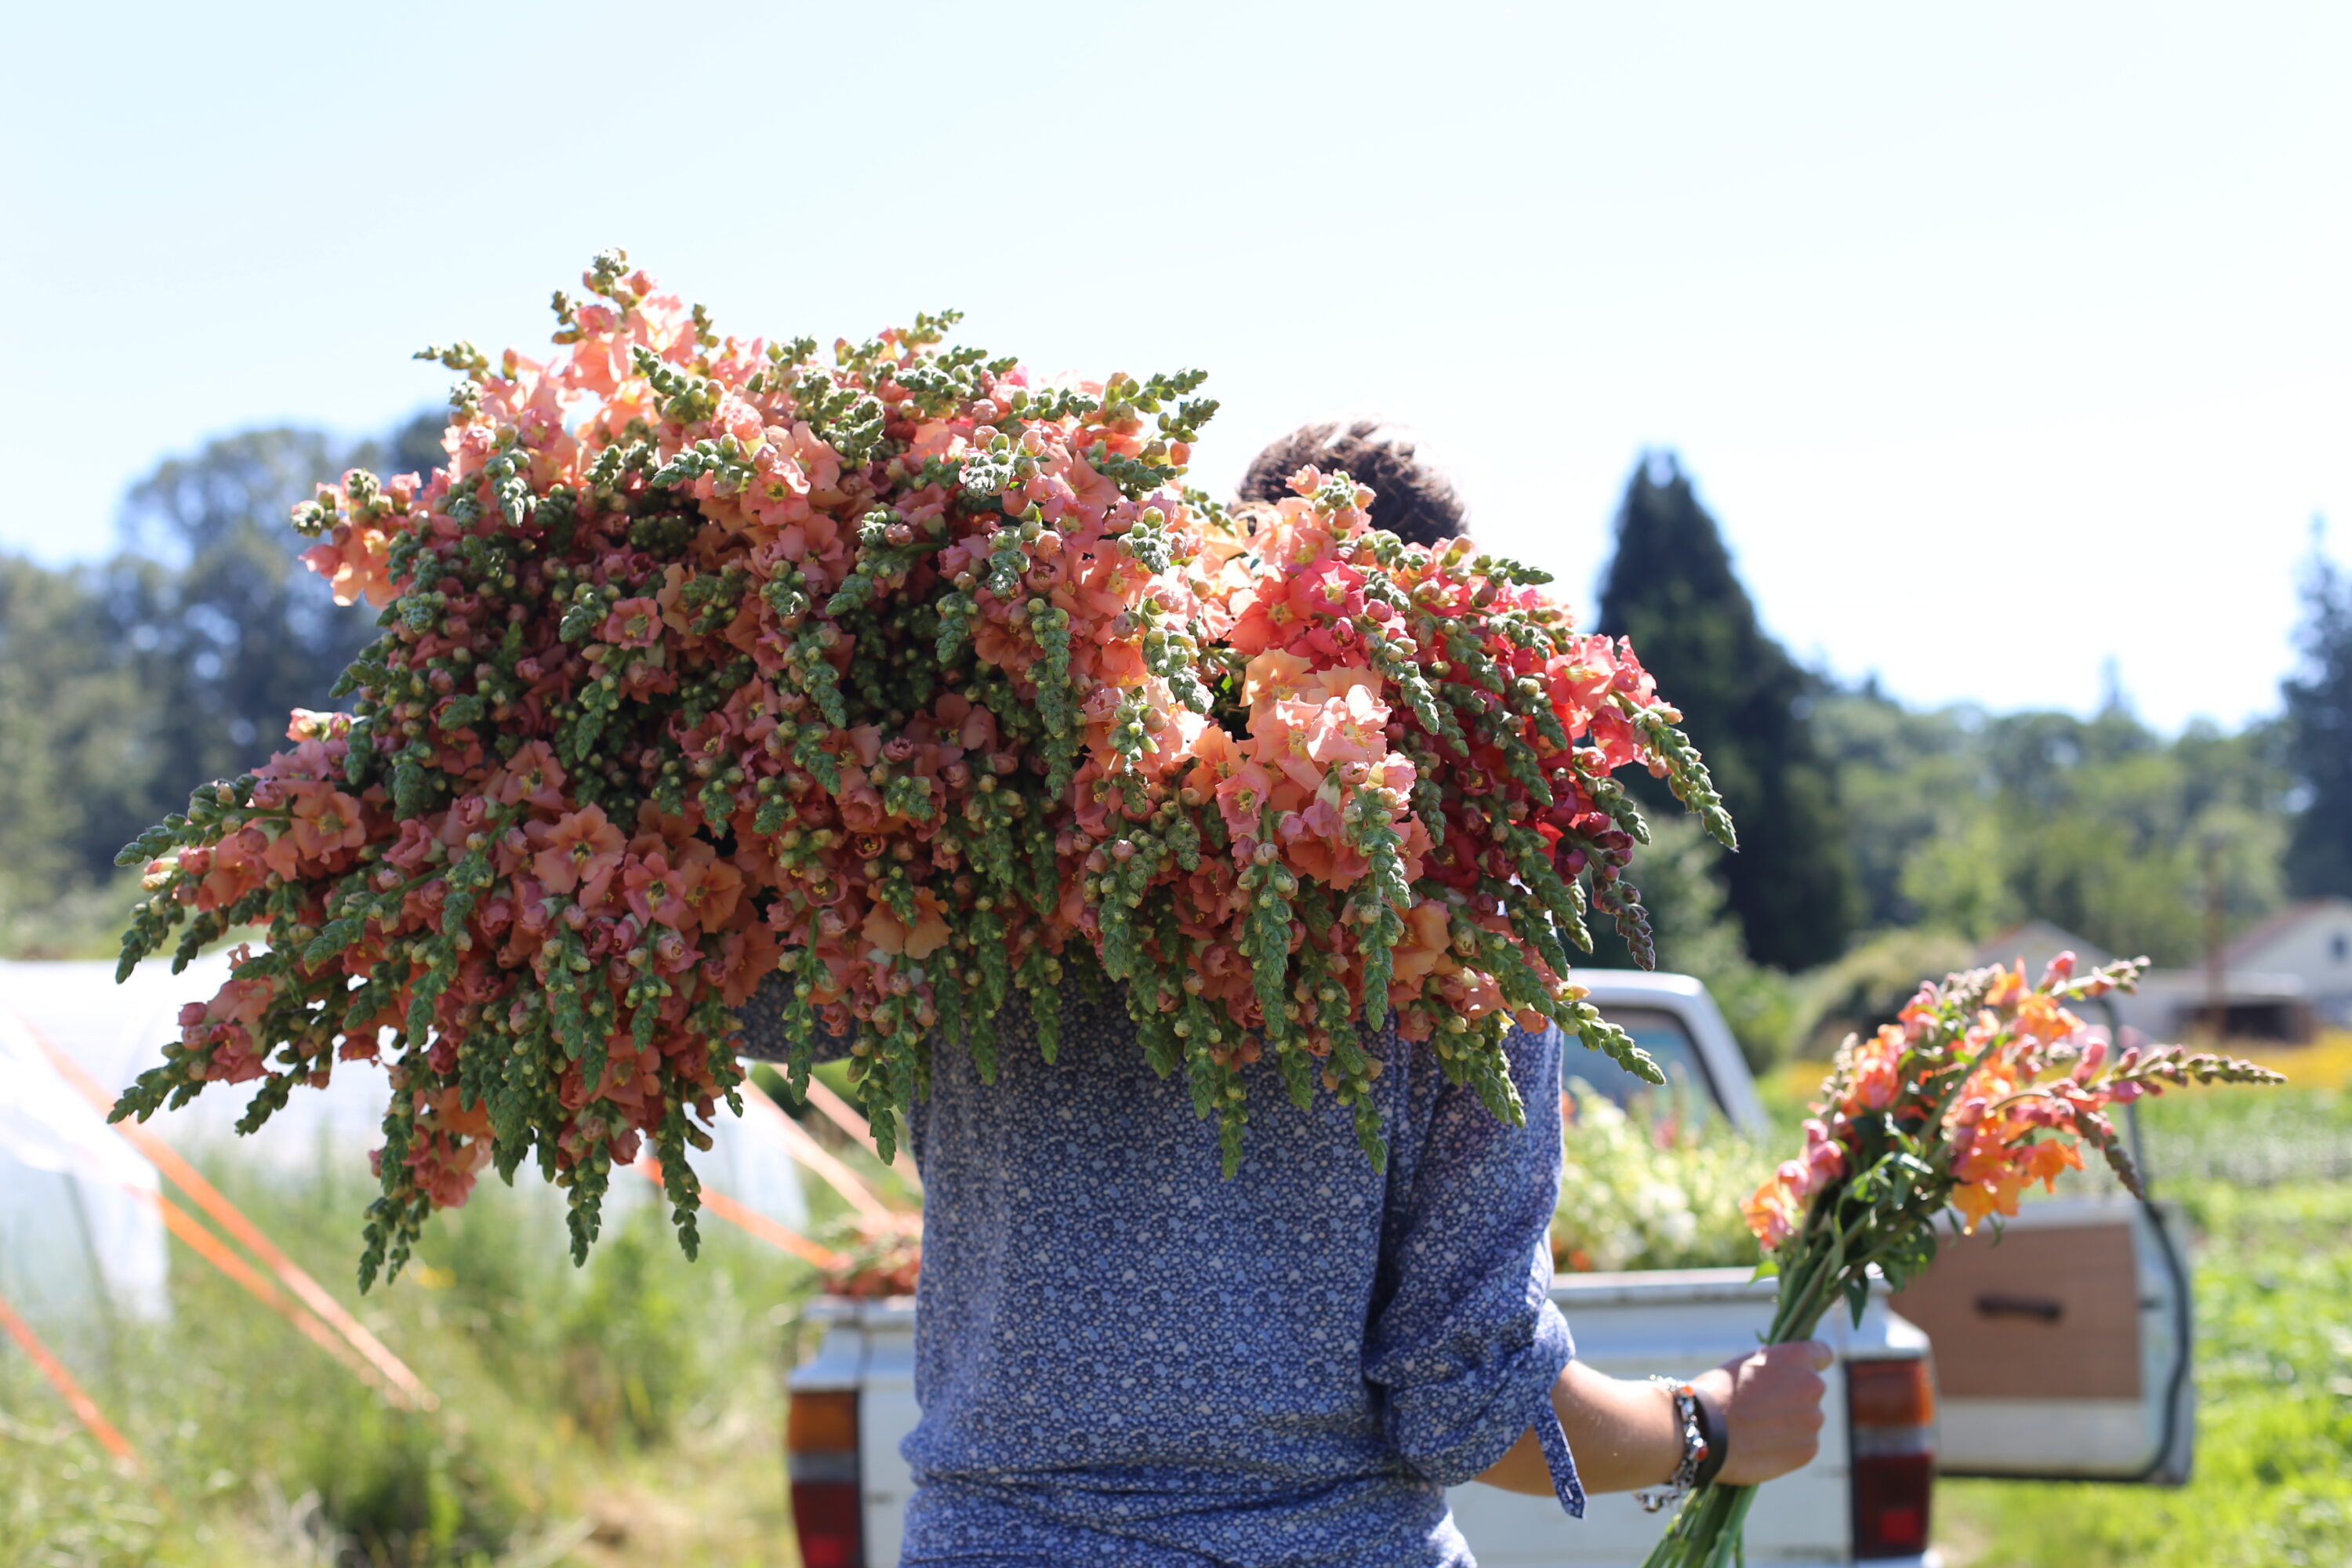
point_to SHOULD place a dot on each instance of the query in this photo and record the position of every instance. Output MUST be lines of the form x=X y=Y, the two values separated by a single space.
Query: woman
x=1122 y=1358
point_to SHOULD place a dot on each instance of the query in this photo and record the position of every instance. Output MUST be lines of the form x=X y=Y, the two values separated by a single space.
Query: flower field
x=1651 y=1186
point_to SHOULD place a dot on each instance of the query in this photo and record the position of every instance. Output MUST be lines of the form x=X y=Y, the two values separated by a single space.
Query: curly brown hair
x=1412 y=500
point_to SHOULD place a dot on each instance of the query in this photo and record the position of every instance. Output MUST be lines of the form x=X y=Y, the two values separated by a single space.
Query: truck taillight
x=1891 y=1423
x=820 y=1450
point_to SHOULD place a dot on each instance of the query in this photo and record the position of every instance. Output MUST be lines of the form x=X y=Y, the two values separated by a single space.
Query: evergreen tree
x=123 y=687
x=76 y=771
x=1965 y=822
x=2319 y=736
x=227 y=629
x=1672 y=589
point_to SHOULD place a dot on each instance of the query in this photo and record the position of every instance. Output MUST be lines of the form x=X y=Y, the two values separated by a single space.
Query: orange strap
x=769 y=1118
x=752 y=1220
x=402 y=1385
x=218 y=1252
x=844 y=1115
x=85 y=1410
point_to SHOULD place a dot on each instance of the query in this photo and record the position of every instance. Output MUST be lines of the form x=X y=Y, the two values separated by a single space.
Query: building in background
x=2255 y=998
x=2312 y=941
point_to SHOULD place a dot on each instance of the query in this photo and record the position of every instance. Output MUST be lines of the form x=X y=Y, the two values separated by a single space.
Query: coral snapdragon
x=1985 y=1085
x=921 y=683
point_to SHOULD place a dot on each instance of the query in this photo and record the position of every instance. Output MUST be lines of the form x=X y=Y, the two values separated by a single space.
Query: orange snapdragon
x=881 y=694
x=1984 y=1085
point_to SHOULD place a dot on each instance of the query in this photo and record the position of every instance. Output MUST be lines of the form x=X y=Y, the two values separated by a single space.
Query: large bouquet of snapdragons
x=1985 y=1085
x=921 y=683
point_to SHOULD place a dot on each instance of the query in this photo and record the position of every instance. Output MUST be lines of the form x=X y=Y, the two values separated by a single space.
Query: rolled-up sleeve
x=1464 y=1343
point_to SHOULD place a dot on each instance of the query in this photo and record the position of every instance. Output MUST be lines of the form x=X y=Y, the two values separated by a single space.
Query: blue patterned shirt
x=1122 y=1358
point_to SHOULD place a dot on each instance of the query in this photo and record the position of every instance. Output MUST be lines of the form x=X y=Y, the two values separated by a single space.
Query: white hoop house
x=79 y=1233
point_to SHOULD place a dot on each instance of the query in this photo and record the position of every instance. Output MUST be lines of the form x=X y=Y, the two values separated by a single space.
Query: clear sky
x=2004 y=340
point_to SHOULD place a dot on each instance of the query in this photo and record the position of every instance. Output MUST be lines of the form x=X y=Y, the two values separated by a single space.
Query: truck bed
x=1681 y=1320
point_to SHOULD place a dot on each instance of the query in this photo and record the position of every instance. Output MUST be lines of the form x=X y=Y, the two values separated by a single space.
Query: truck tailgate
x=1632 y=1325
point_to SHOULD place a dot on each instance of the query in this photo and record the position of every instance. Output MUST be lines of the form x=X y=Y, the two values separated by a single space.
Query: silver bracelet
x=1679 y=1485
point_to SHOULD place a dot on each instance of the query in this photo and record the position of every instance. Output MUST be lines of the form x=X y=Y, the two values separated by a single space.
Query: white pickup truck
x=2062 y=1352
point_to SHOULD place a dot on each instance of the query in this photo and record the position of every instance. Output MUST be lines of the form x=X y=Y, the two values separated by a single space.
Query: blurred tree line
x=1877 y=842
x=126 y=684
x=1881 y=842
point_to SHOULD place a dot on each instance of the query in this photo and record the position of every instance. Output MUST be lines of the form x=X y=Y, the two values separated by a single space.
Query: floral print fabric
x=1122 y=1358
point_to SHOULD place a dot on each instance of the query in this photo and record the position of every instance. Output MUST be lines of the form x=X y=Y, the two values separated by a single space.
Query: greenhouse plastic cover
x=71 y=1217
x=78 y=1227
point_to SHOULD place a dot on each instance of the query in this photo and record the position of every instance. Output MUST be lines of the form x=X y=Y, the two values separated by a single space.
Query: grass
x=629 y=1412
x=2264 y=1181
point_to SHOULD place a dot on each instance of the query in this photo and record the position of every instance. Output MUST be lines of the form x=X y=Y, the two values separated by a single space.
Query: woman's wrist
x=1711 y=1430
x=1690 y=1436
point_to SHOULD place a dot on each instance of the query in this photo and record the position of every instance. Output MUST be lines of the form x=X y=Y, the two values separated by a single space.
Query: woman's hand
x=1624 y=1433
x=1768 y=1408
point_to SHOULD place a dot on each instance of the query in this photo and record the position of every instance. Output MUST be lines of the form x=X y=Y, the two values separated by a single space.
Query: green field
x=627 y=1413
x=2264 y=1180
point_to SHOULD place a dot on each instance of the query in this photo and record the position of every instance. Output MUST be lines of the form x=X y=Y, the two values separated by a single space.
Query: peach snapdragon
x=887 y=691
